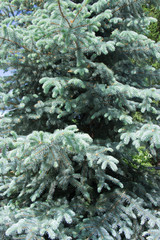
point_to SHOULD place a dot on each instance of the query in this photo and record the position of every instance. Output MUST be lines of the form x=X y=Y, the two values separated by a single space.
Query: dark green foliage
x=154 y=28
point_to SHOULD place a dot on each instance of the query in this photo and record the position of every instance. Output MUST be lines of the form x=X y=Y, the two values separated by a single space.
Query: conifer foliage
x=82 y=74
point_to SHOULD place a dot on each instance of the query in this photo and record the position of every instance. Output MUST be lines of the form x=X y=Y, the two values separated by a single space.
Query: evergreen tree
x=82 y=72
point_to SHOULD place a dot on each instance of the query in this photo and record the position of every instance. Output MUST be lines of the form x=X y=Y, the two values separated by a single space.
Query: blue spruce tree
x=69 y=131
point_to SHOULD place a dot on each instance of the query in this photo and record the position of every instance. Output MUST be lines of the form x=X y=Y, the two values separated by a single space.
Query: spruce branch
x=11 y=10
x=21 y=46
x=123 y=6
x=6 y=12
x=111 y=210
x=78 y=13
x=62 y=14
x=2 y=42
